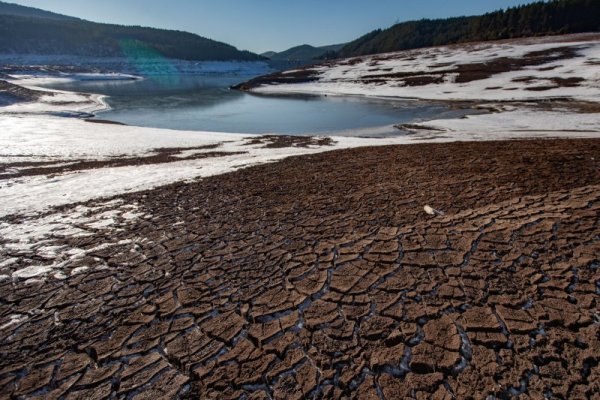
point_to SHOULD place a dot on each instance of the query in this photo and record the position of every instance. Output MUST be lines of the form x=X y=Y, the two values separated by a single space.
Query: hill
x=537 y=19
x=25 y=30
x=303 y=52
x=268 y=54
x=23 y=11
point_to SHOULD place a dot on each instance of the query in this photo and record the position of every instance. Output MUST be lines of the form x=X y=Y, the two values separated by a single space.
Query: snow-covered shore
x=523 y=69
x=53 y=140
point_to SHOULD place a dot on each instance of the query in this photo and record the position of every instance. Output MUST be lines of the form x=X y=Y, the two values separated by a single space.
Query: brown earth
x=282 y=141
x=301 y=75
x=11 y=93
x=158 y=156
x=103 y=121
x=322 y=277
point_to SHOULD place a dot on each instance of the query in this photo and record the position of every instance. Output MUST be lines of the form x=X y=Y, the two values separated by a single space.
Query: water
x=197 y=97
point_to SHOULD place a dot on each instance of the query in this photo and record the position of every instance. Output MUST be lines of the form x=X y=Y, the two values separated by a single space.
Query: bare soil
x=157 y=156
x=11 y=93
x=322 y=277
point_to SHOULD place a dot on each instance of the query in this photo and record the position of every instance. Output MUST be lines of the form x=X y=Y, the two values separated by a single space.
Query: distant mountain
x=537 y=19
x=268 y=54
x=25 y=30
x=304 y=52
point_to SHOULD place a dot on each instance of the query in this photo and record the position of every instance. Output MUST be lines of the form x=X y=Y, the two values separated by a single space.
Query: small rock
x=432 y=211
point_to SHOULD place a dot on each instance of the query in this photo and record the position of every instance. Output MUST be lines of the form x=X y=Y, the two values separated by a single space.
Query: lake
x=196 y=96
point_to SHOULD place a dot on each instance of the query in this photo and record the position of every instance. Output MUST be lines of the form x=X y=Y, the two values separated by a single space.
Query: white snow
x=8 y=262
x=35 y=80
x=14 y=320
x=342 y=78
x=79 y=221
x=58 y=102
x=32 y=271
x=520 y=123
x=79 y=270
x=46 y=138
x=32 y=239
x=36 y=138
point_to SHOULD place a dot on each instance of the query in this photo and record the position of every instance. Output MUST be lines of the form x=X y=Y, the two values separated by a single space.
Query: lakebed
x=165 y=263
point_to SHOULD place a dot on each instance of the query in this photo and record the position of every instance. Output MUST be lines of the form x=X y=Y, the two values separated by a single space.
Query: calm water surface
x=201 y=100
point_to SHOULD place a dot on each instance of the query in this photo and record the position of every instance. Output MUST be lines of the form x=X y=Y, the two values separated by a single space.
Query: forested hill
x=23 y=11
x=537 y=19
x=24 y=30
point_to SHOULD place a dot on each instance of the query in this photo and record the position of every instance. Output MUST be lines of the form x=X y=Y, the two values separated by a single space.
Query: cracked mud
x=321 y=277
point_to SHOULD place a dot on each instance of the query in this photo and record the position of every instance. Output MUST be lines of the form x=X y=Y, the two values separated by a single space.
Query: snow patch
x=79 y=270
x=32 y=271
x=352 y=76
x=14 y=320
x=34 y=238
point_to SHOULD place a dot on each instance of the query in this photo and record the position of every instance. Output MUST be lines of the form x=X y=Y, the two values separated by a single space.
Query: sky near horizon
x=264 y=25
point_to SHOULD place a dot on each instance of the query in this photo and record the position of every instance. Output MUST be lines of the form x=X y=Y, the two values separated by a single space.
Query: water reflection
x=201 y=100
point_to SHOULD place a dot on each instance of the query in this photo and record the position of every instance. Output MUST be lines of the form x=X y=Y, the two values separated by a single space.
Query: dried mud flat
x=321 y=277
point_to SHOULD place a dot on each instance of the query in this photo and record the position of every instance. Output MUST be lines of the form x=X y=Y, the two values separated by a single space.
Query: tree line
x=536 y=19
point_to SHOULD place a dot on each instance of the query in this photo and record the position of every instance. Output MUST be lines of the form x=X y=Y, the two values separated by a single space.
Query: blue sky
x=262 y=25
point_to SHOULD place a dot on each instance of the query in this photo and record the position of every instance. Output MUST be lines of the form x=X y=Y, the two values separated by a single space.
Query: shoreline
x=91 y=103
x=92 y=145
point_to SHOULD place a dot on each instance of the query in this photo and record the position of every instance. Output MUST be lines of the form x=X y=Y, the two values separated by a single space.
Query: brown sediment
x=103 y=121
x=11 y=93
x=321 y=276
x=580 y=106
x=417 y=127
x=158 y=156
x=281 y=141
x=301 y=75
